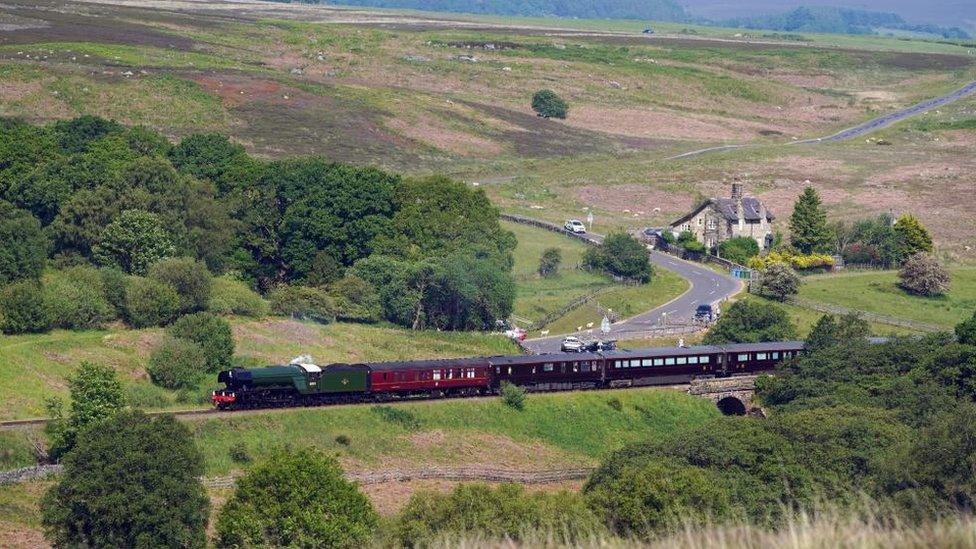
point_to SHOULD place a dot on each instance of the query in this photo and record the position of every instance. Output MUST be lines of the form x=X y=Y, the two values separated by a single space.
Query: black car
x=707 y=313
x=598 y=345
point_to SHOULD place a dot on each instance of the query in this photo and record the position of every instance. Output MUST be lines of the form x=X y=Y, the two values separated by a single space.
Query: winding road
x=860 y=130
x=707 y=286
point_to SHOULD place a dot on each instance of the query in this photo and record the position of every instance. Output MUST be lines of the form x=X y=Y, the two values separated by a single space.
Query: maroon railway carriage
x=461 y=376
x=744 y=358
x=661 y=366
x=549 y=372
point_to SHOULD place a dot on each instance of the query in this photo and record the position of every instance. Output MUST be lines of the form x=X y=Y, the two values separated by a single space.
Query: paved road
x=707 y=286
x=860 y=130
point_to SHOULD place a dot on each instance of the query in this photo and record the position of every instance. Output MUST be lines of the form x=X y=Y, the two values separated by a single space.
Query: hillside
x=421 y=92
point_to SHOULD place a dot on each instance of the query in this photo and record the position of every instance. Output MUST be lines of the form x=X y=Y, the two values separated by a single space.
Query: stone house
x=719 y=219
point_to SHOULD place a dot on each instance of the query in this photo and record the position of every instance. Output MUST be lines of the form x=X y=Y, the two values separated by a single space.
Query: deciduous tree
x=24 y=248
x=549 y=105
x=134 y=481
x=779 y=281
x=133 y=242
x=922 y=274
x=296 y=499
x=751 y=321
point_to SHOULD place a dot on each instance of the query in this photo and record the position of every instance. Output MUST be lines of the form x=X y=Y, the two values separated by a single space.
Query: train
x=304 y=384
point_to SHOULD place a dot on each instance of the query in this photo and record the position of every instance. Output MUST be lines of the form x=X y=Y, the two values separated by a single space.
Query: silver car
x=572 y=344
x=575 y=226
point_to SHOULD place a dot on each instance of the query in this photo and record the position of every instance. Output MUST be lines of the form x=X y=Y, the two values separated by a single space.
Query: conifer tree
x=809 y=232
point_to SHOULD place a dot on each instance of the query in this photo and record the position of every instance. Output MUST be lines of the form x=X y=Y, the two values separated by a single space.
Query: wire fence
x=869 y=316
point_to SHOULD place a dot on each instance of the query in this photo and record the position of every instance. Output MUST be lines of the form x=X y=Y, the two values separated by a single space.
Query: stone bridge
x=732 y=395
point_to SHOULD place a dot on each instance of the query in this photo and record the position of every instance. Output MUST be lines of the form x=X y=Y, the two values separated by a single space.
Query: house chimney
x=736 y=191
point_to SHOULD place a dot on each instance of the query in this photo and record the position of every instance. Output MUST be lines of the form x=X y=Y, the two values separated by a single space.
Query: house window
x=700 y=221
x=711 y=223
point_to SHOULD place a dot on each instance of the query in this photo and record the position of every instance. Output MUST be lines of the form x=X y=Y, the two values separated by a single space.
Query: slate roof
x=726 y=207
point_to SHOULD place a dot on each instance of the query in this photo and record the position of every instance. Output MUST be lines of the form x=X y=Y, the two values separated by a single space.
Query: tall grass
x=800 y=531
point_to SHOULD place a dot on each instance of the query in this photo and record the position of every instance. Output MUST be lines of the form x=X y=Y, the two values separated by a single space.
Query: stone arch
x=732 y=406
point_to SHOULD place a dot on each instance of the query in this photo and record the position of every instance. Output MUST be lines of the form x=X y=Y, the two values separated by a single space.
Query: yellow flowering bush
x=797 y=261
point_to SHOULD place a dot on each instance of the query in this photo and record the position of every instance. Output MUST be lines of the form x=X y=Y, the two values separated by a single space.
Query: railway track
x=14 y=424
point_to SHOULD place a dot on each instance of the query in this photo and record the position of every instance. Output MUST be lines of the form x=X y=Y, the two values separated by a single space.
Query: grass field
x=35 y=367
x=625 y=300
x=877 y=292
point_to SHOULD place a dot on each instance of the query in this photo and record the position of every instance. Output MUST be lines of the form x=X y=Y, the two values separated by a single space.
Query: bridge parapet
x=732 y=395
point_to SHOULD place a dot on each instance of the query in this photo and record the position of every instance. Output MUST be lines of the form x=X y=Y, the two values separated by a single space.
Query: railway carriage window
x=437 y=374
x=703 y=359
x=743 y=358
x=585 y=366
x=576 y=366
x=498 y=369
x=693 y=360
x=775 y=355
x=547 y=367
x=761 y=356
x=659 y=362
x=533 y=369
x=682 y=360
x=669 y=362
x=647 y=362
x=509 y=370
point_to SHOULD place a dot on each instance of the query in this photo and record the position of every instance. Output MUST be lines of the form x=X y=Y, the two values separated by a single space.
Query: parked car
x=600 y=345
x=575 y=226
x=707 y=313
x=572 y=344
x=648 y=30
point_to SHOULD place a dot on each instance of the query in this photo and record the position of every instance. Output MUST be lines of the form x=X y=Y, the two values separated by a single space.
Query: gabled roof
x=751 y=210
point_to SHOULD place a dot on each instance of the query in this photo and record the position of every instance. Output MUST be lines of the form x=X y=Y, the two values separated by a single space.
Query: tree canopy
x=751 y=321
x=296 y=499
x=131 y=482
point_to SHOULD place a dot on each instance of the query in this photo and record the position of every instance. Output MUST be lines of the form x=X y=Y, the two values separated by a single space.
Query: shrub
x=688 y=241
x=798 y=262
x=296 y=499
x=24 y=250
x=911 y=236
x=640 y=498
x=507 y=511
x=96 y=395
x=239 y=454
x=739 y=249
x=189 y=277
x=779 y=282
x=861 y=254
x=132 y=482
x=615 y=403
x=212 y=334
x=343 y=440
x=397 y=416
x=513 y=396
x=549 y=105
x=75 y=298
x=751 y=321
x=922 y=274
x=550 y=261
x=303 y=302
x=22 y=309
x=150 y=303
x=113 y=286
x=230 y=296
x=356 y=299
x=177 y=364
x=966 y=331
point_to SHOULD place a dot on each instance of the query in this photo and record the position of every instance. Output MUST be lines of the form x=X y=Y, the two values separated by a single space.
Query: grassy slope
x=538 y=296
x=34 y=367
x=553 y=430
x=877 y=292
